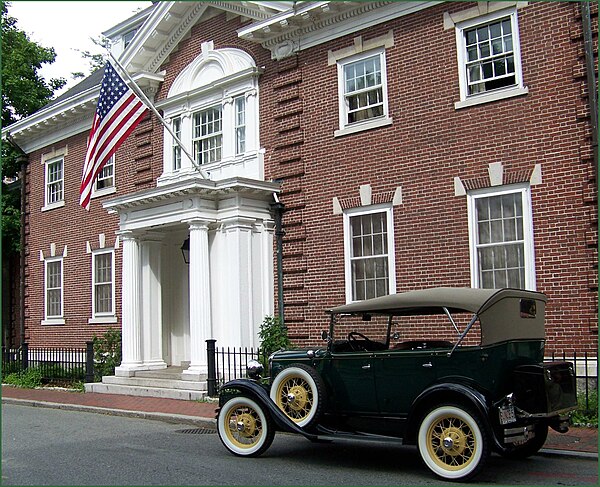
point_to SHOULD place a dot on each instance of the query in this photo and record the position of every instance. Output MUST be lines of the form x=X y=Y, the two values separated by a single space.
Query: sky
x=69 y=25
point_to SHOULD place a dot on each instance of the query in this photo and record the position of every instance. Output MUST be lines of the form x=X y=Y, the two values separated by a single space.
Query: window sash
x=54 y=289
x=240 y=125
x=502 y=240
x=105 y=178
x=363 y=89
x=369 y=255
x=175 y=148
x=54 y=181
x=103 y=284
x=208 y=135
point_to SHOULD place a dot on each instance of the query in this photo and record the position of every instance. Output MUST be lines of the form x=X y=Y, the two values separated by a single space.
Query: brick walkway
x=576 y=440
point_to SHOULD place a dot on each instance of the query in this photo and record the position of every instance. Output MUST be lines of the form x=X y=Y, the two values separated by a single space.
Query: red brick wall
x=428 y=145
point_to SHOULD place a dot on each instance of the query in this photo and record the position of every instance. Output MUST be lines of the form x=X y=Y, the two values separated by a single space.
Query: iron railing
x=55 y=364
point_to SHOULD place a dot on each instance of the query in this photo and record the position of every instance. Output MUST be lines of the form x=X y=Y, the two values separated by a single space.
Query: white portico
x=170 y=308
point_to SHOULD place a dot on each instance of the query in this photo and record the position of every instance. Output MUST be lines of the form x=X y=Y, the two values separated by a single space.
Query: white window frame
x=517 y=89
x=348 y=245
x=200 y=140
x=239 y=124
x=48 y=205
x=103 y=317
x=528 y=241
x=382 y=120
x=175 y=148
x=54 y=319
x=99 y=192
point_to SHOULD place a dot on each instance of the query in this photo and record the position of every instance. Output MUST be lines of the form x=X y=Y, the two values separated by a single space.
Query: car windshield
x=382 y=332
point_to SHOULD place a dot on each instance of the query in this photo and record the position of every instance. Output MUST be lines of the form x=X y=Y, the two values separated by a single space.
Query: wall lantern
x=185 y=250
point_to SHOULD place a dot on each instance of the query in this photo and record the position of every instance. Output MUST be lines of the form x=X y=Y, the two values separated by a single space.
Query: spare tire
x=299 y=392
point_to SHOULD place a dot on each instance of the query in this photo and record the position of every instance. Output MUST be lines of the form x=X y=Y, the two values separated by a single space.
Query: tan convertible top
x=433 y=300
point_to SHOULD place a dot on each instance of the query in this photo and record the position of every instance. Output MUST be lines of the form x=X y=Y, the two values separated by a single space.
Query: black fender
x=444 y=393
x=259 y=394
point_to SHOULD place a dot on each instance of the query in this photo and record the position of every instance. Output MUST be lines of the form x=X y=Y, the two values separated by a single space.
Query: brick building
x=412 y=144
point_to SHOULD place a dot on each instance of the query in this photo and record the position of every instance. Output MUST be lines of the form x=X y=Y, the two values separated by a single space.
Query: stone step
x=188 y=395
x=159 y=383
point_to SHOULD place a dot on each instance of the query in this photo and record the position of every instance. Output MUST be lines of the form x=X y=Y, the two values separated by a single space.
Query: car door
x=400 y=376
x=351 y=382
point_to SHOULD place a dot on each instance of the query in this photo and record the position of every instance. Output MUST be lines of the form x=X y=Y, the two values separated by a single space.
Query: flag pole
x=150 y=105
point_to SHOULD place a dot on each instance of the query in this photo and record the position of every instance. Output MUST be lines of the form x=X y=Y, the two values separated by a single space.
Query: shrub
x=586 y=413
x=273 y=337
x=107 y=353
x=29 y=379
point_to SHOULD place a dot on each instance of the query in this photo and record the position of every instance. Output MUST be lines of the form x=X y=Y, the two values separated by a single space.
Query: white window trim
x=54 y=320
x=98 y=193
x=385 y=119
x=348 y=250
x=60 y=203
x=501 y=93
x=111 y=317
x=529 y=247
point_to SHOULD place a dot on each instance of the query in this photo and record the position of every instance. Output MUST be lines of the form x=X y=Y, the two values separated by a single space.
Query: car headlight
x=254 y=369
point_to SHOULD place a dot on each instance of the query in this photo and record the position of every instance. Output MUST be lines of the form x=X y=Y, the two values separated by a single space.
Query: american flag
x=118 y=112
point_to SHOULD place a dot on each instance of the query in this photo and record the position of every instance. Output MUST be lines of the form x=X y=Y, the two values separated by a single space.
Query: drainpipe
x=588 y=44
x=23 y=159
x=278 y=208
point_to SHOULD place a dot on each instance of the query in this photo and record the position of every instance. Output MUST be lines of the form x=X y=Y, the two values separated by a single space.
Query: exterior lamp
x=185 y=250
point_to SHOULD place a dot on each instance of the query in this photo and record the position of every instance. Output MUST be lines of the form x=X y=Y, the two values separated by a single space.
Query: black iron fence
x=55 y=364
x=228 y=363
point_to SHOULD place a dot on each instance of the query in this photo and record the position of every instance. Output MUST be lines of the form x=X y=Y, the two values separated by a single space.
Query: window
x=176 y=149
x=240 y=125
x=208 y=135
x=370 y=269
x=489 y=58
x=502 y=239
x=106 y=177
x=128 y=37
x=54 y=182
x=103 y=284
x=54 y=289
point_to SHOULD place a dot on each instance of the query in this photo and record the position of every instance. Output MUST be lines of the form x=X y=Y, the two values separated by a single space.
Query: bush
x=273 y=337
x=586 y=414
x=107 y=353
x=29 y=379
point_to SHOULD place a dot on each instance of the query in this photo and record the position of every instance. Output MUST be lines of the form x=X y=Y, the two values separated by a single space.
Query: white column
x=130 y=308
x=200 y=313
x=151 y=306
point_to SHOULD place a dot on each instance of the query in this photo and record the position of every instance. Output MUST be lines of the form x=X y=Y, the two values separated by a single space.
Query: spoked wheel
x=244 y=428
x=298 y=392
x=453 y=442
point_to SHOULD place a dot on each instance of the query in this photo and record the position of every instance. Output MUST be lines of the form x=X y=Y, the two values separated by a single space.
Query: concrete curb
x=166 y=417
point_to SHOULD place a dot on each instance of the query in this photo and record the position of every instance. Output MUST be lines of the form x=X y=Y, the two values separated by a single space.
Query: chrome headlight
x=254 y=369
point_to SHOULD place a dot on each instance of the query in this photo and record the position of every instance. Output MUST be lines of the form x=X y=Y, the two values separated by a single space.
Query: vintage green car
x=458 y=372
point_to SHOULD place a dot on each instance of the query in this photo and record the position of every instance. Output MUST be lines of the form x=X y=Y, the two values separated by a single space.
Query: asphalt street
x=56 y=447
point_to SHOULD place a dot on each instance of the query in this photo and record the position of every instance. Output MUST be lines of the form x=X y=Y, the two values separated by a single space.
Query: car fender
x=261 y=395
x=444 y=393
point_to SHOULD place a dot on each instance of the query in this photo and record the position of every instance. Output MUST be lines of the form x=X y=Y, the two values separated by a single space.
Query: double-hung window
x=489 y=58
x=54 y=182
x=106 y=177
x=370 y=268
x=53 y=290
x=240 y=125
x=502 y=239
x=362 y=85
x=208 y=135
x=175 y=148
x=103 y=284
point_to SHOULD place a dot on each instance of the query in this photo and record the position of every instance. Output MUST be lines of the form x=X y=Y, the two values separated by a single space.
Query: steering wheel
x=352 y=340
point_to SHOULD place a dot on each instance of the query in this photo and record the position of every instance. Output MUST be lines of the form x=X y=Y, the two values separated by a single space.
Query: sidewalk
x=578 y=441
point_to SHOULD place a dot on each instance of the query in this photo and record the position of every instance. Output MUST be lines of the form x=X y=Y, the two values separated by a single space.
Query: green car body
x=457 y=393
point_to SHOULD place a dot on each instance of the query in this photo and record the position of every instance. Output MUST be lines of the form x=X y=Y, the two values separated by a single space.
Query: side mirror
x=324 y=335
